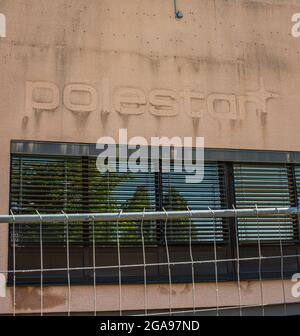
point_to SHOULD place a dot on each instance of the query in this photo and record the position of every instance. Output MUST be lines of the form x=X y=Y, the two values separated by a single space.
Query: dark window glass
x=47 y=186
x=179 y=195
x=74 y=185
x=264 y=186
x=115 y=192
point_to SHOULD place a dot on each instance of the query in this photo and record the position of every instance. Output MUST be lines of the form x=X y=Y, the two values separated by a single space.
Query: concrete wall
x=76 y=70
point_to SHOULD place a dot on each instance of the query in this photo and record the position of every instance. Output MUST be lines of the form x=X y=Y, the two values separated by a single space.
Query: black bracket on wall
x=178 y=13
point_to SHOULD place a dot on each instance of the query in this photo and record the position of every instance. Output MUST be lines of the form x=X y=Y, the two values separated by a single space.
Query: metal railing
x=169 y=263
x=153 y=215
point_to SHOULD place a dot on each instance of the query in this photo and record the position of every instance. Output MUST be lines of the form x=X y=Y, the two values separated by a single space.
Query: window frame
x=226 y=249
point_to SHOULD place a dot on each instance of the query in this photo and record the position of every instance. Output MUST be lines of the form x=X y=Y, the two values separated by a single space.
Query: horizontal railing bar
x=149 y=265
x=153 y=215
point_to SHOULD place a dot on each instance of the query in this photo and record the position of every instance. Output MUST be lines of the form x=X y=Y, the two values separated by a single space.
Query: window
x=72 y=185
x=264 y=186
x=178 y=195
x=49 y=179
x=47 y=186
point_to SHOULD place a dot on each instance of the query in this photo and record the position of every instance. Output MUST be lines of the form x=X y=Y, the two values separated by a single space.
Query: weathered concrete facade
x=74 y=71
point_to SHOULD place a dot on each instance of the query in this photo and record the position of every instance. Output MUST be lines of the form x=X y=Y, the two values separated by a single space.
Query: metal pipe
x=160 y=215
x=178 y=14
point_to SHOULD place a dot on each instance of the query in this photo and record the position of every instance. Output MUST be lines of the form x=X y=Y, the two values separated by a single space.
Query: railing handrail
x=147 y=215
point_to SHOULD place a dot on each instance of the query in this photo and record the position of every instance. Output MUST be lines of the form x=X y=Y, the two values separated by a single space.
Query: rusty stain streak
x=29 y=298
